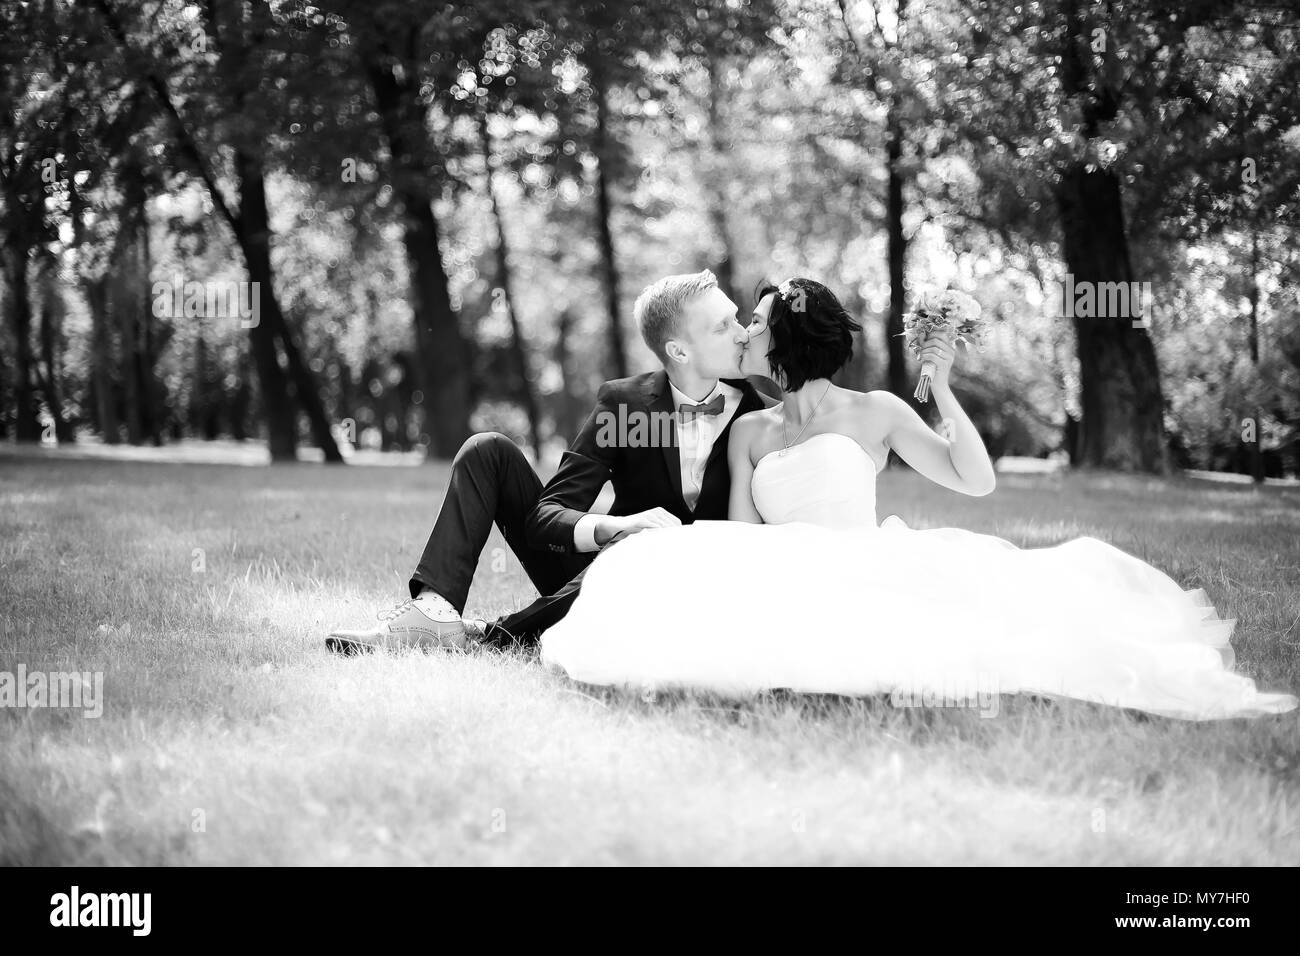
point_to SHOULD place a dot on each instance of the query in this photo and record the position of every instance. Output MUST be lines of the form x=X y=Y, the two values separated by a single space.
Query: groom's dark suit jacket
x=644 y=477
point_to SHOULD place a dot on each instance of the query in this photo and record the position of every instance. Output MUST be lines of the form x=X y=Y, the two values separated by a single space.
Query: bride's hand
x=941 y=352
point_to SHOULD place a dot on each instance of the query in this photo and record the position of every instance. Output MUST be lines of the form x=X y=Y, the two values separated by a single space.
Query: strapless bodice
x=828 y=480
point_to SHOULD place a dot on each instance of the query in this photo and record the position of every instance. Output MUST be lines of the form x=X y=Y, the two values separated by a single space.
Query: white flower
x=959 y=305
x=926 y=301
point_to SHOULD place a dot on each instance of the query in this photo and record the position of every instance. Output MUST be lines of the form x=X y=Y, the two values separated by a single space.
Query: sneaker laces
x=401 y=609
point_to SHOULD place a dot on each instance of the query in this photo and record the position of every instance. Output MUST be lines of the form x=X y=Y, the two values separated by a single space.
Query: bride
x=801 y=589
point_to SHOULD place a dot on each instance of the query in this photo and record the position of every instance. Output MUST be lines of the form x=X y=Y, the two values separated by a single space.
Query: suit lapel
x=749 y=402
x=659 y=398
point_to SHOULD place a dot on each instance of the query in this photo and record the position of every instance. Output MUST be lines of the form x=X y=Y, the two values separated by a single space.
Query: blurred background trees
x=448 y=209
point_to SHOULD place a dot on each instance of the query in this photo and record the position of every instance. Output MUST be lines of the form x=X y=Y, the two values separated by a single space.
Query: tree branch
x=188 y=146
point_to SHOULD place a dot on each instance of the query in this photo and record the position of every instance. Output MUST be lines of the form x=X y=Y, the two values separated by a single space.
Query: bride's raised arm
x=741 y=505
x=959 y=462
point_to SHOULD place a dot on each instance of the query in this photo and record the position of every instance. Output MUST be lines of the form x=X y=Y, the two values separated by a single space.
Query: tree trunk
x=128 y=292
x=4 y=397
x=95 y=289
x=306 y=387
x=252 y=232
x=241 y=401
x=255 y=240
x=104 y=359
x=52 y=357
x=442 y=361
x=1122 y=421
x=131 y=295
x=1257 y=446
x=1122 y=424
x=273 y=386
x=894 y=342
x=150 y=388
x=719 y=202
x=568 y=414
x=127 y=301
x=23 y=205
x=518 y=348
x=200 y=397
x=605 y=232
x=856 y=373
x=20 y=310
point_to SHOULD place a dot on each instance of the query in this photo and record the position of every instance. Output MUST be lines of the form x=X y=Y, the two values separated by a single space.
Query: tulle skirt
x=935 y=615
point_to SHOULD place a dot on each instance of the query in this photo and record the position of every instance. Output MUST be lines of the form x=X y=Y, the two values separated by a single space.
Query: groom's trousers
x=492 y=482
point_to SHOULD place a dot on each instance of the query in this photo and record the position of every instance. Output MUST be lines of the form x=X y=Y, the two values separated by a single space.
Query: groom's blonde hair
x=658 y=308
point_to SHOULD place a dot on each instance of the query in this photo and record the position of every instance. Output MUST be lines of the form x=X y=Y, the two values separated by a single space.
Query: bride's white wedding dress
x=820 y=599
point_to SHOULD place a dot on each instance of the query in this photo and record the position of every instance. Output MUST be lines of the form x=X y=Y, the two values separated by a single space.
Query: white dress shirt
x=695 y=440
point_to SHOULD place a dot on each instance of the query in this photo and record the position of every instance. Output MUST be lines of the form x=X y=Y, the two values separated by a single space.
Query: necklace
x=789 y=444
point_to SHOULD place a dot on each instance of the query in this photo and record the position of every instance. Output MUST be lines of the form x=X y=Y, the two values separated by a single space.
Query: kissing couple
x=743 y=553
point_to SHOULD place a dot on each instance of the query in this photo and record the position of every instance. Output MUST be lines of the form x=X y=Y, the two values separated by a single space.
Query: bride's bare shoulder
x=878 y=396
x=749 y=429
x=878 y=414
x=881 y=402
x=754 y=423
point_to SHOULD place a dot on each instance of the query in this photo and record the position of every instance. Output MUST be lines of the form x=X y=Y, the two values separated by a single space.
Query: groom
x=660 y=437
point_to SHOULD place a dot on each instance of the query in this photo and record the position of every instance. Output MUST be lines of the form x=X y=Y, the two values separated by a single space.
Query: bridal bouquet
x=951 y=314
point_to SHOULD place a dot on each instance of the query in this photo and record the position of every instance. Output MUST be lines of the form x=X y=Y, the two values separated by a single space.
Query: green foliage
x=745 y=135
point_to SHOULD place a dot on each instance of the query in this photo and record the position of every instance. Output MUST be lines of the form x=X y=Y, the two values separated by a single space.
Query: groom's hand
x=612 y=527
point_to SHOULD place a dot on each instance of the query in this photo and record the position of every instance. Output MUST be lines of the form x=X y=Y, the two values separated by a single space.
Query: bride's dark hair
x=812 y=333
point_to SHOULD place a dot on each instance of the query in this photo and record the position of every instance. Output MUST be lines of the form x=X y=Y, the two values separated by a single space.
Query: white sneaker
x=428 y=622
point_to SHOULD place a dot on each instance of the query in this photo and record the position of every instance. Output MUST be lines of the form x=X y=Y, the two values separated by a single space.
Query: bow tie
x=689 y=412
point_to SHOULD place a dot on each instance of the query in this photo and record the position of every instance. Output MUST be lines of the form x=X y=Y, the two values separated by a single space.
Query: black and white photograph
x=664 y=433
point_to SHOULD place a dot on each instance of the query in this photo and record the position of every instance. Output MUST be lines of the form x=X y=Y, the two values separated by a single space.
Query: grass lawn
x=229 y=734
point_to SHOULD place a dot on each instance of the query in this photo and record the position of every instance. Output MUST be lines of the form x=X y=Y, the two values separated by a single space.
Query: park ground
x=229 y=735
